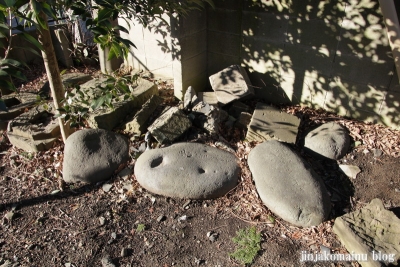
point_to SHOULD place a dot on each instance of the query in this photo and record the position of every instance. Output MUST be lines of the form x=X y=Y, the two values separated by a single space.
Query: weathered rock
x=35 y=130
x=208 y=97
x=68 y=80
x=287 y=185
x=109 y=118
x=330 y=140
x=244 y=120
x=372 y=231
x=92 y=155
x=170 y=125
x=208 y=117
x=188 y=97
x=237 y=108
x=350 y=170
x=187 y=170
x=271 y=123
x=16 y=105
x=137 y=122
x=230 y=84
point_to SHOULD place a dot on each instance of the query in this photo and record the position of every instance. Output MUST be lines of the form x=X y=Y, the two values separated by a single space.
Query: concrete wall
x=325 y=54
x=175 y=47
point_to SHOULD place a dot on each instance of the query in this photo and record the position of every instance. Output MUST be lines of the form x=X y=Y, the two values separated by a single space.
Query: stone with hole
x=187 y=170
x=287 y=185
x=92 y=155
x=330 y=140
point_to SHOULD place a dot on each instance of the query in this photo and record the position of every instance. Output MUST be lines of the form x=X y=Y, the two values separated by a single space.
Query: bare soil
x=44 y=222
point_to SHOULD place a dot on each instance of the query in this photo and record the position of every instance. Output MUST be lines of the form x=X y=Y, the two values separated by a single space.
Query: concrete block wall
x=325 y=54
x=175 y=47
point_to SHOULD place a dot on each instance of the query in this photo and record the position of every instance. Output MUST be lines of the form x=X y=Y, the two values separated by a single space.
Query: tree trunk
x=53 y=73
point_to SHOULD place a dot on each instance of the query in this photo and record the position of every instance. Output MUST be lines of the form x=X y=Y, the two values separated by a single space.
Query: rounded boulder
x=330 y=140
x=187 y=170
x=287 y=185
x=92 y=155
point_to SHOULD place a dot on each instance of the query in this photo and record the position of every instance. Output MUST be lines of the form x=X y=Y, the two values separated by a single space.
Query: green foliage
x=140 y=227
x=248 y=241
x=77 y=103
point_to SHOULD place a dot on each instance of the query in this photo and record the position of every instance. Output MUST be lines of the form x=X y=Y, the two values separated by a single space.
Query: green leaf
x=32 y=40
x=104 y=14
x=97 y=103
x=18 y=75
x=30 y=49
x=12 y=62
x=10 y=3
x=3 y=73
x=7 y=85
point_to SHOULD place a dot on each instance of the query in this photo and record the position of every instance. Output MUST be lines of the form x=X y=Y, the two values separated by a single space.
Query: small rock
x=6 y=264
x=124 y=174
x=107 y=187
x=212 y=236
x=102 y=221
x=377 y=153
x=183 y=218
x=68 y=264
x=186 y=205
x=9 y=215
x=124 y=252
x=397 y=190
x=106 y=261
x=161 y=218
x=365 y=151
x=350 y=170
x=325 y=250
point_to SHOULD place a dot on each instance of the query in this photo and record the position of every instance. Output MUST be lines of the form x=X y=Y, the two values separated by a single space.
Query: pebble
x=161 y=218
x=377 y=153
x=106 y=261
x=107 y=187
x=102 y=221
x=397 y=190
x=325 y=249
x=124 y=252
x=186 y=204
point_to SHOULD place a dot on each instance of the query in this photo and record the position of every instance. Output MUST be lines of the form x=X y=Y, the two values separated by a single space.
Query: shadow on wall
x=326 y=54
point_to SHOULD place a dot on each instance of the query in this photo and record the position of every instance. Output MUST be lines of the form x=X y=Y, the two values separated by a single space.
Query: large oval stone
x=330 y=140
x=92 y=155
x=187 y=170
x=287 y=185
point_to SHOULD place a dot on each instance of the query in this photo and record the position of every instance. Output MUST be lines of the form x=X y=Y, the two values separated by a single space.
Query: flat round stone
x=187 y=170
x=287 y=185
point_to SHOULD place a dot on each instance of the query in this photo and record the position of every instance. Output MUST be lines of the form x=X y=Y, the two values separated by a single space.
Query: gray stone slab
x=92 y=155
x=271 y=123
x=230 y=84
x=208 y=97
x=109 y=118
x=16 y=104
x=243 y=121
x=330 y=140
x=187 y=170
x=30 y=145
x=237 y=108
x=287 y=185
x=372 y=231
x=170 y=125
x=137 y=123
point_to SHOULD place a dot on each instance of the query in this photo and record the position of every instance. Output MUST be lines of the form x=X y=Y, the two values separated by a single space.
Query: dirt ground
x=44 y=222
